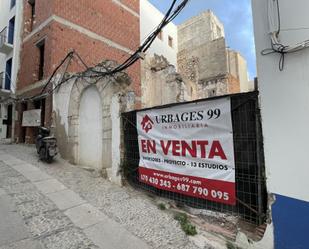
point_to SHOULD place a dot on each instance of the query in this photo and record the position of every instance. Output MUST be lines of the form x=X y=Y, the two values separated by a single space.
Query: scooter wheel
x=49 y=159
x=42 y=153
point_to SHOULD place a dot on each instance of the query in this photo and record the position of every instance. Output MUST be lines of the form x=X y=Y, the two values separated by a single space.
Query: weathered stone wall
x=232 y=61
x=212 y=87
x=66 y=111
x=199 y=30
x=233 y=84
x=203 y=62
x=161 y=84
x=237 y=67
x=217 y=86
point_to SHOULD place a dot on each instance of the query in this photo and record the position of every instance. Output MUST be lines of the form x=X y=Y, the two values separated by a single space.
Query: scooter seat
x=49 y=138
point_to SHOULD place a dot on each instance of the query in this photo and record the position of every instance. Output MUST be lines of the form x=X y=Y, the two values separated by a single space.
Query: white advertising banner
x=189 y=149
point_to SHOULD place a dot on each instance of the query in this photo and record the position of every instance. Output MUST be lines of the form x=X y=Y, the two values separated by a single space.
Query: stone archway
x=90 y=130
x=110 y=91
x=105 y=93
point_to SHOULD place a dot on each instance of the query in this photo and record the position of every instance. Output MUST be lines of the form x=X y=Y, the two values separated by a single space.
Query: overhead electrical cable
x=274 y=21
x=91 y=72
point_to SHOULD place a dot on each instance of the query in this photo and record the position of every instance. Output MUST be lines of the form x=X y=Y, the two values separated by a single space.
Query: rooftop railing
x=5 y=81
x=3 y=36
x=7 y=36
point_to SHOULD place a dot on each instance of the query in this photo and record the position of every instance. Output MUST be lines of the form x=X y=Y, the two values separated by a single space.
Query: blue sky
x=236 y=16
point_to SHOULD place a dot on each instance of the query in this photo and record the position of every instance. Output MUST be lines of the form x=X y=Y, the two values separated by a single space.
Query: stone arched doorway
x=106 y=99
x=90 y=130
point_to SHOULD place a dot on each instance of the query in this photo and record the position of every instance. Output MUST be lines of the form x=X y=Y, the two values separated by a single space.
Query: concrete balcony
x=5 y=85
x=6 y=44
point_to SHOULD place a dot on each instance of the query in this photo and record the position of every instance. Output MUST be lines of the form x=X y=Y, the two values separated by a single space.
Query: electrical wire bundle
x=274 y=21
x=91 y=72
x=170 y=16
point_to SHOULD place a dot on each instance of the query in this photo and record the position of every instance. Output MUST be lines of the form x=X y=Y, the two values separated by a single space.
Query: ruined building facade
x=205 y=66
x=205 y=59
x=160 y=63
x=161 y=84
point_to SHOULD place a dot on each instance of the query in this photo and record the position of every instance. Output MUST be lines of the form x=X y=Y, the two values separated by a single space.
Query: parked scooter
x=46 y=145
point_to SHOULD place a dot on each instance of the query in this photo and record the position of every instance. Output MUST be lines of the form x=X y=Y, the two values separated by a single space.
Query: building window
x=170 y=41
x=41 y=48
x=13 y=2
x=11 y=31
x=160 y=35
x=32 y=17
x=8 y=74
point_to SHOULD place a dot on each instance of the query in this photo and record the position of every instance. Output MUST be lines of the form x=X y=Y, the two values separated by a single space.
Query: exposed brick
x=102 y=17
x=132 y=4
x=105 y=18
x=29 y=69
x=59 y=40
x=43 y=10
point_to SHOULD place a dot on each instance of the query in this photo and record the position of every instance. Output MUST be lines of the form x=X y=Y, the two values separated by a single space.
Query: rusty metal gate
x=251 y=193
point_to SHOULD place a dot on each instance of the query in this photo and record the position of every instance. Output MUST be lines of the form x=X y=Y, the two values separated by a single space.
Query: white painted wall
x=90 y=128
x=199 y=30
x=17 y=42
x=115 y=109
x=5 y=15
x=62 y=102
x=150 y=17
x=285 y=100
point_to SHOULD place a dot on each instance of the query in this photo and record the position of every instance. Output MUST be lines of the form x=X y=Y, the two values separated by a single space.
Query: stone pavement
x=49 y=215
x=125 y=207
x=13 y=232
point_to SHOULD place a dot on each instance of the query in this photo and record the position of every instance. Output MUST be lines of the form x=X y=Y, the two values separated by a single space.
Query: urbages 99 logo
x=147 y=123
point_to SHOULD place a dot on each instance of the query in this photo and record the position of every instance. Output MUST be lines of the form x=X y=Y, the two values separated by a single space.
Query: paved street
x=14 y=233
x=64 y=206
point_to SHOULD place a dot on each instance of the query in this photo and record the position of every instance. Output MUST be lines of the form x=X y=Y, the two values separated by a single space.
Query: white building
x=166 y=43
x=285 y=117
x=10 y=40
